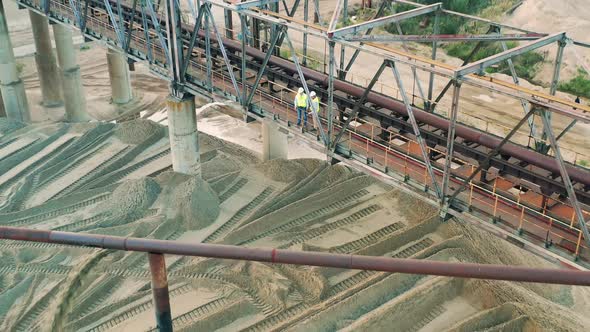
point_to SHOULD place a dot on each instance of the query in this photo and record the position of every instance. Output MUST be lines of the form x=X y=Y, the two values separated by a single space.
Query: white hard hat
x=312 y=93
x=300 y=90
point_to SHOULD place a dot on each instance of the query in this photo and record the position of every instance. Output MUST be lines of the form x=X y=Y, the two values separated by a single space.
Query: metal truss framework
x=257 y=15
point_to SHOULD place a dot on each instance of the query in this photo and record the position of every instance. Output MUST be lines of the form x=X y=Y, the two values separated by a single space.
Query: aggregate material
x=301 y=204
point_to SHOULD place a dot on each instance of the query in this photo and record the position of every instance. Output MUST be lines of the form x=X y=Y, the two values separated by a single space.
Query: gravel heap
x=130 y=201
x=197 y=204
x=137 y=131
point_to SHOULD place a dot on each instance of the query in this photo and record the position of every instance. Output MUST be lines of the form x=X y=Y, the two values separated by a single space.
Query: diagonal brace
x=264 y=63
x=414 y=123
x=196 y=29
x=565 y=176
x=358 y=105
x=492 y=154
x=224 y=53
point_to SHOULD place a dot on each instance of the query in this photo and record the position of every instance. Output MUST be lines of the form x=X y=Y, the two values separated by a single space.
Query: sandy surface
x=301 y=204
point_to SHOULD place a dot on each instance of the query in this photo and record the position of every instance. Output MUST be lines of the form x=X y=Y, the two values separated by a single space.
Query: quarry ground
x=116 y=179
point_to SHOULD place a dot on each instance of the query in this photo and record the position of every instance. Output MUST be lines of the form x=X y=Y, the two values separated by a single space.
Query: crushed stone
x=137 y=131
x=196 y=203
x=130 y=201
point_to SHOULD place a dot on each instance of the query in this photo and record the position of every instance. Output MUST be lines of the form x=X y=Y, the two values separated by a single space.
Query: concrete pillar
x=74 y=97
x=12 y=88
x=2 y=112
x=184 y=140
x=274 y=141
x=120 y=77
x=46 y=65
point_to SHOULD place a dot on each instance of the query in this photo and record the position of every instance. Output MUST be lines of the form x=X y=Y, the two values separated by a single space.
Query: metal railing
x=156 y=249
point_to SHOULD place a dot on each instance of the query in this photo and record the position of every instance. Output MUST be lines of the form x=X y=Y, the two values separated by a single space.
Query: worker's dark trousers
x=301 y=111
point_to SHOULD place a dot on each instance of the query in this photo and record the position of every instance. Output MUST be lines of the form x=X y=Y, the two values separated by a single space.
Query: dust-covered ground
x=116 y=179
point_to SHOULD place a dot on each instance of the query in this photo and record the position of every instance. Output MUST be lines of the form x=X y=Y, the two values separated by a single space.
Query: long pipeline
x=280 y=256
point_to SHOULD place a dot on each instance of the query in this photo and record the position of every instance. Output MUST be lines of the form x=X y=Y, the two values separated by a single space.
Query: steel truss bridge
x=532 y=195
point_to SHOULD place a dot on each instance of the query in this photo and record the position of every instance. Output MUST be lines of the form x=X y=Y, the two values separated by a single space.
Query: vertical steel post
x=229 y=25
x=565 y=176
x=316 y=13
x=160 y=292
x=341 y=73
x=436 y=31
x=244 y=28
x=523 y=102
x=450 y=147
x=331 y=73
x=208 y=50
x=553 y=89
x=305 y=18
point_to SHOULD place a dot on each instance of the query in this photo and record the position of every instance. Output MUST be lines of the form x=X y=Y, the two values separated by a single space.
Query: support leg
x=160 y=292
x=45 y=60
x=12 y=88
x=184 y=139
x=120 y=77
x=74 y=97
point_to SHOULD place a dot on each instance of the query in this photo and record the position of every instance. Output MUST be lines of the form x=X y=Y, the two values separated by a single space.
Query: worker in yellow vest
x=301 y=106
x=315 y=107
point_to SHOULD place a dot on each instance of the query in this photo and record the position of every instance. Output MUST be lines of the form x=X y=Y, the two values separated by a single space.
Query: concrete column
x=46 y=65
x=12 y=88
x=2 y=112
x=74 y=97
x=184 y=140
x=120 y=77
x=274 y=141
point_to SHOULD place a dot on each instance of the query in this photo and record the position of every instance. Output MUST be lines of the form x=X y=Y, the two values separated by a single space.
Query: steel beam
x=552 y=91
x=195 y=34
x=416 y=78
x=450 y=144
x=480 y=65
x=523 y=102
x=358 y=104
x=175 y=47
x=331 y=74
x=305 y=19
x=252 y=3
x=421 y=142
x=470 y=17
x=565 y=176
x=443 y=38
x=224 y=54
x=492 y=154
x=352 y=29
x=357 y=51
x=262 y=69
x=436 y=30
x=335 y=15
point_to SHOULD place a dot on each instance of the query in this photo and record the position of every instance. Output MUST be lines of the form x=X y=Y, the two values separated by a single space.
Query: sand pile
x=195 y=202
x=282 y=170
x=137 y=131
x=130 y=201
x=310 y=282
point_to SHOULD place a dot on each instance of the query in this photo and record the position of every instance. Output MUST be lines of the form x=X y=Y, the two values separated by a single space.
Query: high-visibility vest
x=302 y=100
x=316 y=104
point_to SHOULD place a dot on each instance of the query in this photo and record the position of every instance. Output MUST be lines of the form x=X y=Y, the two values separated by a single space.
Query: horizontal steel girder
x=482 y=64
x=349 y=30
x=253 y=3
x=444 y=38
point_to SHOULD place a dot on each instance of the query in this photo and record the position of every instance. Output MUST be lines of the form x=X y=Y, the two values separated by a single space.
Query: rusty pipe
x=357 y=262
x=160 y=292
